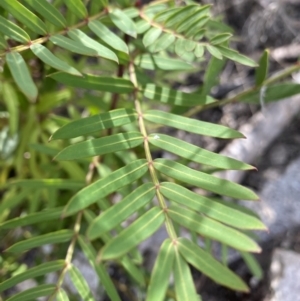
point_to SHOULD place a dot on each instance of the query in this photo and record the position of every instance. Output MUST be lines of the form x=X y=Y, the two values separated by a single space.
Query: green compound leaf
x=61 y=295
x=200 y=179
x=49 y=238
x=209 y=266
x=39 y=270
x=99 y=83
x=107 y=36
x=123 y=22
x=50 y=59
x=184 y=284
x=25 y=16
x=151 y=36
x=120 y=211
x=195 y=153
x=21 y=75
x=85 y=40
x=101 y=146
x=138 y=231
x=214 y=209
x=77 y=7
x=191 y=125
x=80 y=284
x=13 y=31
x=161 y=272
x=212 y=229
x=163 y=42
x=89 y=125
x=103 y=187
x=42 y=290
x=174 y=97
x=49 y=12
x=262 y=71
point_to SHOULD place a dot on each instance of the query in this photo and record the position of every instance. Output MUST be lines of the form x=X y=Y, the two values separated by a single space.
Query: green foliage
x=75 y=73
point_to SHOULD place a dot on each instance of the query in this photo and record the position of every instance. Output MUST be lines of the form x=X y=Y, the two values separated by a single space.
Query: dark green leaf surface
x=13 y=31
x=122 y=210
x=103 y=187
x=92 y=124
x=77 y=7
x=138 y=231
x=100 y=146
x=123 y=22
x=209 y=266
x=262 y=71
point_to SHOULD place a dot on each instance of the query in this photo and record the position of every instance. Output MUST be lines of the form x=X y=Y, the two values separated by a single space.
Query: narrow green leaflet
x=99 y=83
x=13 y=31
x=209 y=266
x=164 y=13
x=160 y=275
x=191 y=125
x=80 y=284
x=184 y=284
x=77 y=7
x=61 y=295
x=25 y=16
x=174 y=97
x=212 y=229
x=39 y=270
x=42 y=290
x=154 y=62
x=107 y=36
x=195 y=153
x=206 y=181
x=190 y=45
x=49 y=12
x=253 y=265
x=71 y=45
x=138 y=231
x=220 y=38
x=199 y=51
x=3 y=43
x=214 y=51
x=92 y=124
x=123 y=22
x=50 y=59
x=163 y=42
x=151 y=36
x=133 y=270
x=21 y=75
x=120 y=211
x=101 y=146
x=33 y=218
x=142 y=26
x=261 y=71
x=216 y=210
x=103 y=187
x=37 y=241
x=85 y=40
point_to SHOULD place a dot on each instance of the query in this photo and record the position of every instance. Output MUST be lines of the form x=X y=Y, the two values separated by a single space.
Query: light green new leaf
x=13 y=31
x=101 y=146
x=209 y=266
x=169 y=96
x=216 y=210
x=50 y=59
x=154 y=62
x=61 y=295
x=163 y=42
x=85 y=40
x=21 y=75
x=123 y=22
x=71 y=45
x=42 y=290
x=206 y=181
x=220 y=38
x=184 y=284
x=39 y=270
x=195 y=153
x=199 y=51
x=235 y=56
x=103 y=187
x=151 y=36
x=180 y=47
x=138 y=231
x=37 y=241
x=120 y=211
x=212 y=229
x=105 y=279
x=89 y=125
x=190 y=45
x=214 y=51
x=263 y=67
x=142 y=26
x=33 y=218
x=99 y=83
x=49 y=12
x=25 y=16
x=160 y=275
x=107 y=36
x=191 y=125
x=77 y=7
x=80 y=284
x=253 y=265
